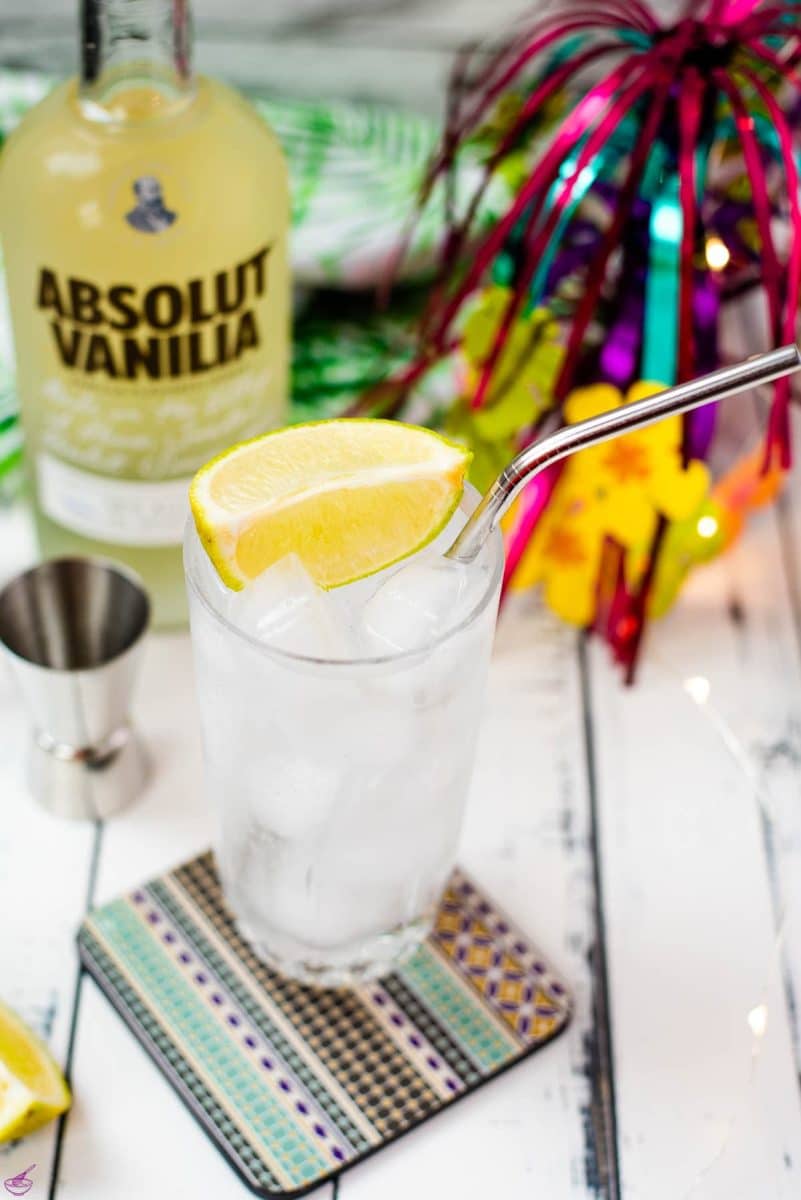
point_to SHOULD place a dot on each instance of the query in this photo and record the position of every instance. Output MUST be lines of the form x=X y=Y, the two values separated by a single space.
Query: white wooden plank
x=44 y=871
x=458 y=19
x=759 y=699
x=171 y=820
x=526 y=840
x=789 y=525
x=363 y=49
x=778 y=749
x=463 y=17
x=753 y=598
x=44 y=867
x=705 y=1107
x=411 y=77
x=120 y=1147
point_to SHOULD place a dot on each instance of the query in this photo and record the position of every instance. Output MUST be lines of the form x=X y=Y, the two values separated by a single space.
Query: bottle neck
x=135 y=58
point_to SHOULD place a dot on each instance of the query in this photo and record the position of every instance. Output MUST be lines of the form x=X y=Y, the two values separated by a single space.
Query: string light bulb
x=716 y=253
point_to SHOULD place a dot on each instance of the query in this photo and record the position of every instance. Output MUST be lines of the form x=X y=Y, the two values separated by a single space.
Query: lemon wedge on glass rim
x=32 y=1088
x=348 y=496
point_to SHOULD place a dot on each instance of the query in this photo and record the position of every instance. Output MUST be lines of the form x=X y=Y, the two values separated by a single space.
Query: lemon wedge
x=32 y=1088
x=348 y=496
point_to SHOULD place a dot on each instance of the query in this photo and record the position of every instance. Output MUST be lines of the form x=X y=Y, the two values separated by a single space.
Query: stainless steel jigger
x=72 y=631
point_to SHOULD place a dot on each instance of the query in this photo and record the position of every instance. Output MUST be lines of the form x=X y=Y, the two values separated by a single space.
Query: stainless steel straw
x=726 y=381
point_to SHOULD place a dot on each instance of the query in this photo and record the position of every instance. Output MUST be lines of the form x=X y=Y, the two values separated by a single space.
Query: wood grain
x=699 y=844
x=527 y=839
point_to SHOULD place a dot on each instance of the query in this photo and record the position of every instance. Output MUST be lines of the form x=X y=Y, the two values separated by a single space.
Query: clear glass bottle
x=144 y=216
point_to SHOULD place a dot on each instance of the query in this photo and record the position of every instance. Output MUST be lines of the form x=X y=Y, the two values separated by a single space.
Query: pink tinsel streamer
x=718 y=48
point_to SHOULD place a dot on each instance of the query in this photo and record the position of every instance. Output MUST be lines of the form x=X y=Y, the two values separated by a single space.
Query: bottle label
x=142 y=383
x=123 y=511
x=164 y=332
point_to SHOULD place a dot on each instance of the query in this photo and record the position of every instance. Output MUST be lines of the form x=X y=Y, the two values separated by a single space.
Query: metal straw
x=727 y=381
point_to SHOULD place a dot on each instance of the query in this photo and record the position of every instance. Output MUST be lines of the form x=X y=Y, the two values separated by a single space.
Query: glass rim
x=494 y=546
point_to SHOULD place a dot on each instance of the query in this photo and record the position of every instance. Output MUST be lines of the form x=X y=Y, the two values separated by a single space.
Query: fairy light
x=707 y=527
x=716 y=253
x=666 y=221
x=698 y=688
x=758 y=1020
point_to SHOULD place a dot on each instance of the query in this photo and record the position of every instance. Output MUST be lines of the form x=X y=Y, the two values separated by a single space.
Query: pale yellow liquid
x=66 y=192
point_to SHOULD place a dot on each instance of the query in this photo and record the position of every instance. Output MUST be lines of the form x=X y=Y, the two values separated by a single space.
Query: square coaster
x=295 y=1084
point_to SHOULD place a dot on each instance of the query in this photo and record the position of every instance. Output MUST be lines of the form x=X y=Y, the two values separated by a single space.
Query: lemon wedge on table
x=32 y=1088
x=348 y=496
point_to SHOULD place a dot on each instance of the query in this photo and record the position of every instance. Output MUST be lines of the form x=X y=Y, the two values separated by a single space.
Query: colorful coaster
x=295 y=1084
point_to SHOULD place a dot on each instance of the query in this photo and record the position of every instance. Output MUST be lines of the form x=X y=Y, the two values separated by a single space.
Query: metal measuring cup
x=72 y=631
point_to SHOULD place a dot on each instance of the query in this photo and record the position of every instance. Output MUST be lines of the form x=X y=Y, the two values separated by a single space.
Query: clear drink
x=339 y=761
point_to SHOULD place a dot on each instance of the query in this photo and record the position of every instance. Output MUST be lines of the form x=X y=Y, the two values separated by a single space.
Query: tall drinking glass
x=339 y=785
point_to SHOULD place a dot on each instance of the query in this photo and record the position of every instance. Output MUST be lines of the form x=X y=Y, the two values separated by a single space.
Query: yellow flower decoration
x=616 y=490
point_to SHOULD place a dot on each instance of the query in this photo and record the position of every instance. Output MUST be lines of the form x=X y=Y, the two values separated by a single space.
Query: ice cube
x=285 y=608
x=417 y=603
x=292 y=796
x=336 y=720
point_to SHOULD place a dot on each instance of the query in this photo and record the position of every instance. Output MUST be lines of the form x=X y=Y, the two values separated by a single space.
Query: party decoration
x=619 y=490
x=654 y=174
x=522 y=383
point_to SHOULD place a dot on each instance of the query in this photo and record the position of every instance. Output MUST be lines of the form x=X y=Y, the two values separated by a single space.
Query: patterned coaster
x=295 y=1084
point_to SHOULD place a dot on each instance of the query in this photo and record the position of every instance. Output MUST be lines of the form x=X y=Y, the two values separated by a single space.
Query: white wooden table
x=649 y=838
